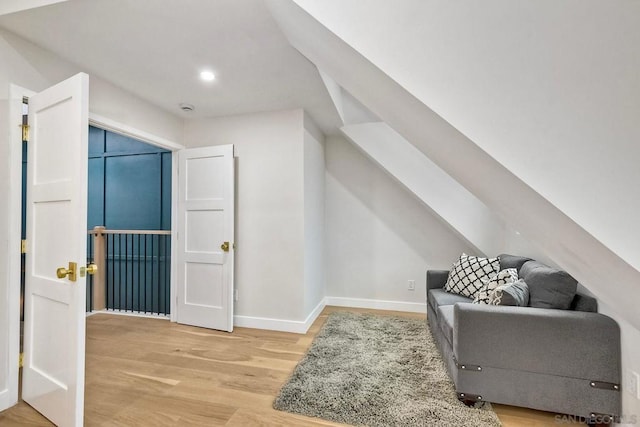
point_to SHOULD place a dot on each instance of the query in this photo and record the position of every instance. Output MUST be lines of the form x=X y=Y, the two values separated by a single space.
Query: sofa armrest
x=436 y=279
x=556 y=342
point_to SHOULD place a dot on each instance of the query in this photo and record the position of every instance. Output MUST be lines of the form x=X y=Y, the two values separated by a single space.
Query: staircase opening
x=129 y=225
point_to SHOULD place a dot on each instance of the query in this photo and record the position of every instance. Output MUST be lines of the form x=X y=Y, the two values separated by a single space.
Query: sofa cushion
x=548 y=286
x=445 y=322
x=504 y=277
x=516 y=294
x=512 y=261
x=439 y=297
x=584 y=303
x=465 y=277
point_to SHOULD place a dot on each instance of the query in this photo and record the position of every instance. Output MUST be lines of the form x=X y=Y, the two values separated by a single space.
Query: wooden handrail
x=105 y=231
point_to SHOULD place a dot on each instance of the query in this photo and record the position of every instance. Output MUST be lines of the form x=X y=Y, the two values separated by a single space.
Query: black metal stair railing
x=136 y=271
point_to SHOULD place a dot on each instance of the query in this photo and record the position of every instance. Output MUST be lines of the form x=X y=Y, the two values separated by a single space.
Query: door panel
x=206 y=221
x=54 y=342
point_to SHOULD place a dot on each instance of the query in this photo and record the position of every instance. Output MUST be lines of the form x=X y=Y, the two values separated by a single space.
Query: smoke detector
x=187 y=108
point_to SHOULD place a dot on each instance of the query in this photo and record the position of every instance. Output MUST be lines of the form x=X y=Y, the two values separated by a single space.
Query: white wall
x=34 y=69
x=314 y=222
x=269 y=208
x=379 y=235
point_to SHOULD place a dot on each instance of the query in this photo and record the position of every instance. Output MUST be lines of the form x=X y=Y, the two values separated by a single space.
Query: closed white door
x=54 y=337
x=205 y=237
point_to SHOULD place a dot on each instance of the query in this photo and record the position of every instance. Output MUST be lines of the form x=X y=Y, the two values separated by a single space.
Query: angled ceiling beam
x=335 y=92
x=454 y=204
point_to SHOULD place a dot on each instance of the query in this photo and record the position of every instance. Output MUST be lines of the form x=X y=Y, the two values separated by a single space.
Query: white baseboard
x=295 y=326
x=412 y=307
x=302 y=326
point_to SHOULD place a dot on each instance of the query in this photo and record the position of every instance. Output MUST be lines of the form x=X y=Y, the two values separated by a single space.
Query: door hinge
x=23 y=246
x=25 y=133
x=21 y=360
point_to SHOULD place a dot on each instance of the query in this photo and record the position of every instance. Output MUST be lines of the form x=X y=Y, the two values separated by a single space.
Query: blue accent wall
x=129 y=183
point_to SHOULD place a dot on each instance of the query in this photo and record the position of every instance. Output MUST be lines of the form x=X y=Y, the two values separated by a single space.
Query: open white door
x=205 y=237
x=54 y=338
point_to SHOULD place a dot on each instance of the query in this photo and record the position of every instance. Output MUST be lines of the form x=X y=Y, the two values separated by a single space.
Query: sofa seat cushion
x=445 y=322
x=440 y=297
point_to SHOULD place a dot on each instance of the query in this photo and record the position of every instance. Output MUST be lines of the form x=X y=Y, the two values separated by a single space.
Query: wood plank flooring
x=150 y=372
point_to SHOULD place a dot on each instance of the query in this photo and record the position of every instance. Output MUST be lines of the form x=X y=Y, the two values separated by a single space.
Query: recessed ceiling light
x=187 y=108
x=207 y=76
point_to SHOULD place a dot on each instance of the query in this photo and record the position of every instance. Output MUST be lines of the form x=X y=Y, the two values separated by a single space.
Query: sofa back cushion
x=512 y=261
x=548 y=286
x=584 y=303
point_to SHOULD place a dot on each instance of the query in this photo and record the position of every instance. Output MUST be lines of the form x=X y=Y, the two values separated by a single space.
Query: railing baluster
x=120 y=270
x=153 y=253
x=138 y=263
x=107 y=281
x=130 y=283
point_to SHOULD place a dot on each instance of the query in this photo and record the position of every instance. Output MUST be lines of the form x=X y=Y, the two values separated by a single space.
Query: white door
x=53 y=373
x=205 y=237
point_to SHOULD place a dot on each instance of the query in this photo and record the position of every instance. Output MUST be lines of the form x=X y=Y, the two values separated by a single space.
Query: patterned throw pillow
x=465 y=277
x=516 y=294
x=504 y=277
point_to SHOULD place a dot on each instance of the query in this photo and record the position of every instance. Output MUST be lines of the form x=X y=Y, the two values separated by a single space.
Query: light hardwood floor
x=150 y=372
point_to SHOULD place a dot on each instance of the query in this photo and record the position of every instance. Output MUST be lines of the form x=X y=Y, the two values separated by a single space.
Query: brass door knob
x=70 y=272
x=225 y=246
x=92 y=268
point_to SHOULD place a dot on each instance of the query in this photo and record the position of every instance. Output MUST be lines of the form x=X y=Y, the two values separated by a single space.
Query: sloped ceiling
x=155 y=49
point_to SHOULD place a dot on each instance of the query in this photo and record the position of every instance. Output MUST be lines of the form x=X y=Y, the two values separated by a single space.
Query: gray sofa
x=563 y=361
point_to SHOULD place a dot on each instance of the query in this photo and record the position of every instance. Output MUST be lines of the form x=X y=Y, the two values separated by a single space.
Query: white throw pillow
x=504 y=277
x=465 y=277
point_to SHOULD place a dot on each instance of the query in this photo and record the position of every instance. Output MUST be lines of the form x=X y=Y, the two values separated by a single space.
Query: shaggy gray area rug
x=372 y=370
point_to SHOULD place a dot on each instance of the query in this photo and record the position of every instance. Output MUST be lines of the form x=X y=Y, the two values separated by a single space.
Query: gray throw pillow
x=516 y=293
x=548 y=286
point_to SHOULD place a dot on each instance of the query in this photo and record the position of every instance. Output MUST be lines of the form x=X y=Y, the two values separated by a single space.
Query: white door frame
x=9 y=396
x=126 y=130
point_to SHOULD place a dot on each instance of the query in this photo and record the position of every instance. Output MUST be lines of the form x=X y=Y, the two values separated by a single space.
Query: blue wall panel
x=95 y=200
x=133 y=192
x=129 y=183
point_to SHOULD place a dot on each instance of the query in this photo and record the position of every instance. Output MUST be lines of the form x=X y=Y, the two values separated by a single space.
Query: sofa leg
x=469 y=399
x=468 y=402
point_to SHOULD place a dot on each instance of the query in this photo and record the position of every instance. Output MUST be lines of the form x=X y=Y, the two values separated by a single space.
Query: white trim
x=411 y=307
x=295 y=326
x=126 y=130
x=173 y=280
x=130 y=314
